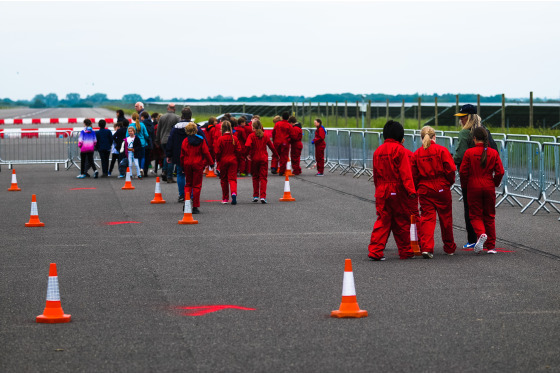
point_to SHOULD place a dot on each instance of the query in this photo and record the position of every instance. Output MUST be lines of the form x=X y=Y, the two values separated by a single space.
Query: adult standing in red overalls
x=433 y=170
x=320 y=145
x=392 y=177
x=481 y=171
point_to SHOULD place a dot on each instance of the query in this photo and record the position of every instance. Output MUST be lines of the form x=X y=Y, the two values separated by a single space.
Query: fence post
x=357 y=113
x=478 y=105
x=456 y=110
x=345 y=113
x=503 y=112
x=387 y=112
x=402 y=112
x=531 y=109
x=436 y=113
x=293 y=111
x=368 y=114
x=244 y=108
x=419 y=112
x=327 y=114
x=336 y=115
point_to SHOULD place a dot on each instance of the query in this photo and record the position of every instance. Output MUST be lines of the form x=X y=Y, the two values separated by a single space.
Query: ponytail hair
x=136 y=118
x=480 y=134
x=226 y=126
x=257 y=126
x=427 y=134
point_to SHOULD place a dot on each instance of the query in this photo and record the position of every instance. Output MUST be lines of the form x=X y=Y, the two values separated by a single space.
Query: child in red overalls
x=481 y=171
x=258 y=156
x=296 y=146
x=394 y=186
x=242 y=137
x=227 y=148
x=320 y=145
x=433 y=170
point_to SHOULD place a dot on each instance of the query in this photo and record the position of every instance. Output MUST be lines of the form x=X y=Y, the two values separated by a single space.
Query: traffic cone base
x=187 y=215
x=158 y=199
x=211 y=174
x=34 y=216
x=14 y=186
x=53 y=312
x=287 y=193
x=349 y=306
x=128 y=183
x=414 y=237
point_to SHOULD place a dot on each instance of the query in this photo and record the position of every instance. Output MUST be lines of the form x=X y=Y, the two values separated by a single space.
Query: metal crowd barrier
x=35 y=147
x=550 y=176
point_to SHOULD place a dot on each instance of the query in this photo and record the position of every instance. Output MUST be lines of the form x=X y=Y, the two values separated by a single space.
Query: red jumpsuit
x=392 y=177
x=433 y=170
x=320 y=146
x=248 y=131
x=256 y=151
x=194 y=159
x=281 y=136
x=226 y=156
x=211 y=135
x=296 y=148
x=480 y=184
x=240 y=133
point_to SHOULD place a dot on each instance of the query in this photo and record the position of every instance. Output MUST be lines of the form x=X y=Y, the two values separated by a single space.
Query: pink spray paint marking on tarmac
x=83 y=188
x=120 y=223
x=194 y=311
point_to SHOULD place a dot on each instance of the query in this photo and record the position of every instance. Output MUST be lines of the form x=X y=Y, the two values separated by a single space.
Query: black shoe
x=170 y=180
x=233 y=200
x=281 y=174
x=195 y=210
x=95 y=174
x=87 y=175
x=164 y=178
x=273 y=170
x=376 y=259
x=181 y=199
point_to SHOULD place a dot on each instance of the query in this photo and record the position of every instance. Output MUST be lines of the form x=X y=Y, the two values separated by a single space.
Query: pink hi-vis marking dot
x=83 y=188
x=121 y=223
x=205 y=309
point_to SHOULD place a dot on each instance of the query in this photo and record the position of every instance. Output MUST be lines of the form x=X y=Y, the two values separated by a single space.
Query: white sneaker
x=492 y=251
x=480 y=244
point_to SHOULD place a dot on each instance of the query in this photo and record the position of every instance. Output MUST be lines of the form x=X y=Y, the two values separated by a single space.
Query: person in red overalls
x=240 y=133
x=392 y=177
x=258 y=156
x=281 y=137
x=296 y=145
x=227 y=149
x=433 y=171
x=320 y=145
x=195 y=155
x=481 y=171
x=274 y=160
x=248 y=131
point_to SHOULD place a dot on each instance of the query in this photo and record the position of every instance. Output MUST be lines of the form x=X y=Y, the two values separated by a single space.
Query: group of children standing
x=403 y=180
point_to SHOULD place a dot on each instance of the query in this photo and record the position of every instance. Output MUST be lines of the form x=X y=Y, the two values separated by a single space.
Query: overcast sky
x=234 y=48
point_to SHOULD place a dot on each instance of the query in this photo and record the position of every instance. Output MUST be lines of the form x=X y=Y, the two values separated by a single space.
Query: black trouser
x=104 y=156
x=147 y=160
x=471 y=235
x=114 y=159
x=86 y=157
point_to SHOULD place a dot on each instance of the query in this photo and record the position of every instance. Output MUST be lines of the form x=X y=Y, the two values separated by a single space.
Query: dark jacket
x=465 y=141
x=175 y=141
x=104 y=140
x=151 y=134
x=119 y=136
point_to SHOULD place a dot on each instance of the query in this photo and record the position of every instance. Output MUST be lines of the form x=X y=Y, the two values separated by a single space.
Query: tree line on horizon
x=51 y=100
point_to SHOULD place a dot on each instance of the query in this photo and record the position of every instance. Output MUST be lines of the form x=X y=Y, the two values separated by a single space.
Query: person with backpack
x=470 y=121
x=481 y=171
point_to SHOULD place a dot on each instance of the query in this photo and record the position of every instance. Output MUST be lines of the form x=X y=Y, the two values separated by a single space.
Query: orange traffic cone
x=157 y=197
x=414 y=237
x=211 y=173
x=34 y=216
x=14 y=186
x=187 y=215
x=289 y=168
x=349 y=305
x=53 y=312
x=287 y=193
x=128 y=183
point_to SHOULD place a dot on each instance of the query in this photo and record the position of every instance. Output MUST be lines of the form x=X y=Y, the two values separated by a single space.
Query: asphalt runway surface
x=261 y=281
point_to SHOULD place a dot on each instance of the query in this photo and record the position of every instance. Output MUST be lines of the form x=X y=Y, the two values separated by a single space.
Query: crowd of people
x=407 y=185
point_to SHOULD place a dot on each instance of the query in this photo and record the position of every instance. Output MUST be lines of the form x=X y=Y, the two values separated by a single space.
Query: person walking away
x=258 y=156
x=147 y=122
x=114 y=149
x=281 y=140
x=227 y=149
x=248 y=131
x=173 y=151
x=274 y=161
x=393 y=181
x=433 y=171
x=296 y=146
x=132 y=149
x=239 y=131
x=157 y=152
x=481 y=171
x=119 y=137
x=165 y=125
x=469 y=120
x=104 y=145
x=320 y=145
x=195 y=155
x=86 y=142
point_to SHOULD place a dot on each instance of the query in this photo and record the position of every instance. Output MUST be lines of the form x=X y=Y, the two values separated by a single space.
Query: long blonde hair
x=226 y=126
x=257 y=126
x=136 y=118
x=427 y=135
x=473 y=121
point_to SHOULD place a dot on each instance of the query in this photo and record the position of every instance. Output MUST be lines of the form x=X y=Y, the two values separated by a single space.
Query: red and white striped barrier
x=52 y=121
x=46 y=132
